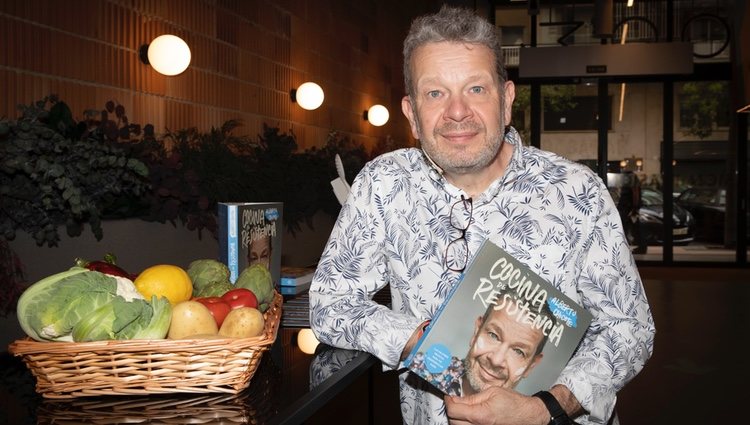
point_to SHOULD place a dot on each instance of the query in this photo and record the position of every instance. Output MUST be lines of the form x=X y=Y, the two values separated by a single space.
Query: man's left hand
x=496 y=406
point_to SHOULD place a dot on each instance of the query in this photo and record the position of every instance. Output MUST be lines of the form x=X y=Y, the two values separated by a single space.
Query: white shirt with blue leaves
x=552 y=214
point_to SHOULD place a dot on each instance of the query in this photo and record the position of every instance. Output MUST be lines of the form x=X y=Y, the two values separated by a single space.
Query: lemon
x=165 y=280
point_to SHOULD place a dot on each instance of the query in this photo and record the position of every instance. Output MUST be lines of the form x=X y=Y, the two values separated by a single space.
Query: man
x=397 y=228
x=504 y=348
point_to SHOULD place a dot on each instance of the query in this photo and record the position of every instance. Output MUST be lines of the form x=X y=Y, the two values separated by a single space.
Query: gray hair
x=454 y=25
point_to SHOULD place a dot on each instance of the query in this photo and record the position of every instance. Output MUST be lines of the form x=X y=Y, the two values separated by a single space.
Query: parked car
x=651 y=215
x=709 y=207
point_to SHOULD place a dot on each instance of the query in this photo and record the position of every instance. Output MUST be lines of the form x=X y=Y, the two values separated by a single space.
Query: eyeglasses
x=457 y=252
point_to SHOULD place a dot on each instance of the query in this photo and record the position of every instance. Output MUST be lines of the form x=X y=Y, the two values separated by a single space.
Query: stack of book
x=295 y=313
x=296 y=280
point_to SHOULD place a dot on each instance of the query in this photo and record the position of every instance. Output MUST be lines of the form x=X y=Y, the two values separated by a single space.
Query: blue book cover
x=501 y=325
x=251 y=233
x=296 y=276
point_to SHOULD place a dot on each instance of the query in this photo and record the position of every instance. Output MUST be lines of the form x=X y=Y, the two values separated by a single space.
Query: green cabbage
x=28 y=301
x=84 y=305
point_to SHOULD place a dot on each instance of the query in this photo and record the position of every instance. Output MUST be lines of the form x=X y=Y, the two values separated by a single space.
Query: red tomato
x=217 y=306
x=240 y=297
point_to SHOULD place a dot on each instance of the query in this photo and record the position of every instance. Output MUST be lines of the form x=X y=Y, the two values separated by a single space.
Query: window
x=583 y=115
x=704 y=107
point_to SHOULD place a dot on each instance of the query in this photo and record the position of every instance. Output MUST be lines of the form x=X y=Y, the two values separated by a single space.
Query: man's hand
x=496 y=406
x=500 y=406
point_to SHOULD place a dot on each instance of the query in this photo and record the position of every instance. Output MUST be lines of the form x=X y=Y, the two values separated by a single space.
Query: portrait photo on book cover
x=503 y=326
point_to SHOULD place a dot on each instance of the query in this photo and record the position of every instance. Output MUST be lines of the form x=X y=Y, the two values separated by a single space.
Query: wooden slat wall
x=246 y=56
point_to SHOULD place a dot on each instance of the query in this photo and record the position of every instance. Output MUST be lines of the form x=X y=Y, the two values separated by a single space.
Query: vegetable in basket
x=79 y=304
x=207 y=271
x=107 y=266
x=258 y=279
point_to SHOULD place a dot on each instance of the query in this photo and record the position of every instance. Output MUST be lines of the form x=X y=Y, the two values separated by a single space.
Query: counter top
x=288 y=387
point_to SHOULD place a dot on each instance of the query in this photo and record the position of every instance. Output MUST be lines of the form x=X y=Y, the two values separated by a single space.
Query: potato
x=243 y=322
x=191 y=318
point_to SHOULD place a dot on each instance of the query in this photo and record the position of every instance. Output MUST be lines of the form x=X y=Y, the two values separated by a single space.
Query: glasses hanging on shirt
x=457 y=252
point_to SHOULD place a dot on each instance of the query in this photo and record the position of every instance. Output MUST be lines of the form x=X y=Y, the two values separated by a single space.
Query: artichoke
x=258 y=279
x=213 y=289
x=206 y=271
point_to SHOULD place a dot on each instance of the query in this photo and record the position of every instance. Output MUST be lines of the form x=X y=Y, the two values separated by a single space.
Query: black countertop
x=288 y=387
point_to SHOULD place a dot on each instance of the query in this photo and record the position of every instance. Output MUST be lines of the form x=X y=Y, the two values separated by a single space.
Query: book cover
x=296 y=276
x=501 y=325
x=294 y=290
x=251 y=233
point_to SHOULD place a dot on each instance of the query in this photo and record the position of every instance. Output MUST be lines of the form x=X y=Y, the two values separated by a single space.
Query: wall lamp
x=306 y=341
x=377 y=115
x=167 y=54
x=308 y=96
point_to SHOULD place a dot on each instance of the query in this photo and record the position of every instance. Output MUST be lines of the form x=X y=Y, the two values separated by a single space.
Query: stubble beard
x=462 y=162
x=475 y=382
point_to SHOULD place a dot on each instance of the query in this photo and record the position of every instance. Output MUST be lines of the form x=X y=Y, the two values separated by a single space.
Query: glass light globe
x=169 y=54
x=309 y=96
x=306 y=341
x=377 y=115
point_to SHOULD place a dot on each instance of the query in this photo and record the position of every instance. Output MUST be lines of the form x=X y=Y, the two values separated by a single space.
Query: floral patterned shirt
x=554 y=215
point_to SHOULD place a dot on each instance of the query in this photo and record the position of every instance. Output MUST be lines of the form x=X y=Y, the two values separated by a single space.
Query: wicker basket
x=75 y=369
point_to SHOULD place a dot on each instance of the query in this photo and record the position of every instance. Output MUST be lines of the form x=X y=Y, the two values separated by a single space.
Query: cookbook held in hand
x=502 y=325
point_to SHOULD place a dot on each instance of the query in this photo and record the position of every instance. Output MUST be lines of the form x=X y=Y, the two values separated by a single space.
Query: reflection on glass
x=702 y=168
x=249 y=406
x=328 y=361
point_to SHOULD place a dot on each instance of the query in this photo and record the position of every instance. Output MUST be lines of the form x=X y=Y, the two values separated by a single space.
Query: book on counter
x=501 y=324
x=295 y=280
x=295 y=312
x=251 y=233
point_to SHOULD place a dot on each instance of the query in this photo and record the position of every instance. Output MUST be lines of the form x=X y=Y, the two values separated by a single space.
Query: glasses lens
x=461 y=214
x=456 y=254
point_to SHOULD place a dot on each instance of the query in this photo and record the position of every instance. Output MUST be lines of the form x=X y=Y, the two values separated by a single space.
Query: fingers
x=457 y=410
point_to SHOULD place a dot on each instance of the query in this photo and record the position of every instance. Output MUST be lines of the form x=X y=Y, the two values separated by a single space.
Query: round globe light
x=306 y=341
x=169 y=54
x=377 y=115
x=309 y=96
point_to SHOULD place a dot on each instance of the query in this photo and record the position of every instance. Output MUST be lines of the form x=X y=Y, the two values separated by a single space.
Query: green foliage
x=11 y=279
x=198 y=170
x=556 y=98
x=701 y=102
x=55 y=173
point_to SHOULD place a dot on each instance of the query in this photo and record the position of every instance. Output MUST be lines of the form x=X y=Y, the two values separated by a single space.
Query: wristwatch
x=558 y=416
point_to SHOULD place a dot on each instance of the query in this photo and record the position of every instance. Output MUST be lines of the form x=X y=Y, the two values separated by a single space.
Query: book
x=251 y=233
x=501 y=324
x=295 y=312
x=294 y=290
x=296 y=276
x=295 y=280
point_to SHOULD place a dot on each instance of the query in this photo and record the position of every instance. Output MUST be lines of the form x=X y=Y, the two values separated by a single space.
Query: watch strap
x=558 y=416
